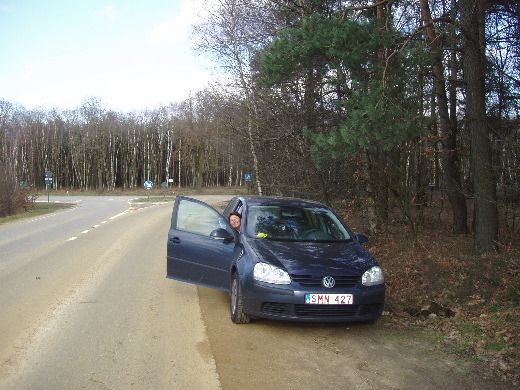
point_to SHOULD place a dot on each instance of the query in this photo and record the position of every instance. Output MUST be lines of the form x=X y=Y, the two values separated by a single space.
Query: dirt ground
x=271 y=354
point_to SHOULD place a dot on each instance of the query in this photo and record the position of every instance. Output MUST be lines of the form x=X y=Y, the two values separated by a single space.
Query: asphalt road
x=84 y=304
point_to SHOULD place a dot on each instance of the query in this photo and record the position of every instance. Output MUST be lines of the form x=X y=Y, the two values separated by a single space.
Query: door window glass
x=198 y=218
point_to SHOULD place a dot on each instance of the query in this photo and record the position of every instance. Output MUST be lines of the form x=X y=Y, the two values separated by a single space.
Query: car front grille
x=274 y=308
x=316 y=281
x=323 y=311
x=326 y=310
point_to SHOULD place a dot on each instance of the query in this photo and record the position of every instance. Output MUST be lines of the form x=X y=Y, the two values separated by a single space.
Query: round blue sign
x=148 y=184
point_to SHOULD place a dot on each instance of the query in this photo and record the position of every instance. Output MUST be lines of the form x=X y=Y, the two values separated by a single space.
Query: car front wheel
x=237 y=314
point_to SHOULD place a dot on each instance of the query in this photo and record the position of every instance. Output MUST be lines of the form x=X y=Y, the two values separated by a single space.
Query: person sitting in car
x=235 y=220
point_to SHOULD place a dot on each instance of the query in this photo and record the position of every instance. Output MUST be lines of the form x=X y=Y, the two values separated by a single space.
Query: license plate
x=329 y=299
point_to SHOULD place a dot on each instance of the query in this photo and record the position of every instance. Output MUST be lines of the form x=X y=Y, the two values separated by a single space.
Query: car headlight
x=373 y=277
x=264 y=272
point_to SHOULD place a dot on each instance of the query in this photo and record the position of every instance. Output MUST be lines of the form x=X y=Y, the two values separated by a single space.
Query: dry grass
x=435 y=281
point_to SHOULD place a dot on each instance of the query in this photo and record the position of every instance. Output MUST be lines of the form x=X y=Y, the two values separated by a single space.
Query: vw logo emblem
x=328 y=282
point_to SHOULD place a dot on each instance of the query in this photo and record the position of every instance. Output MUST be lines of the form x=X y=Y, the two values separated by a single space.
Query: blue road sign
x=248 y=176
x=148 y=184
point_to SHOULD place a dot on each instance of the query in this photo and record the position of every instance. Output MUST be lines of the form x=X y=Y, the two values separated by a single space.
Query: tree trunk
x=200 y=159
x=252 y=147
x=448 y=131
x=371 y=199
x=486 y=214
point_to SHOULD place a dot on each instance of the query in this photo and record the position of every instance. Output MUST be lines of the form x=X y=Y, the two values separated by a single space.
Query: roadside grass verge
x=37 y=209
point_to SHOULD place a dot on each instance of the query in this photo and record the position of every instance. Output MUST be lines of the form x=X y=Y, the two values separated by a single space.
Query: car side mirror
x=361 y=238
x=222 y=234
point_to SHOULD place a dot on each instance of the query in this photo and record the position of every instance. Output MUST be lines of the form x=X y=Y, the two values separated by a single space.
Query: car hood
x=312 y=257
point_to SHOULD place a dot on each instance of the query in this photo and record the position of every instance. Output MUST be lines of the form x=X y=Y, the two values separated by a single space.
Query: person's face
x=235 y=222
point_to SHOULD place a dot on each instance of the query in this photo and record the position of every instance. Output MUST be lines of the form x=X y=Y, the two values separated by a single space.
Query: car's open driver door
x=200 y=245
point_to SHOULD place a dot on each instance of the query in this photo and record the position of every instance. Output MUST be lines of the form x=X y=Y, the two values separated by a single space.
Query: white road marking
x=102 y=222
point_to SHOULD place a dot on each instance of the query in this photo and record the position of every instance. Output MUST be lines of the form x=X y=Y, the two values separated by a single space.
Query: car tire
x=237 y=303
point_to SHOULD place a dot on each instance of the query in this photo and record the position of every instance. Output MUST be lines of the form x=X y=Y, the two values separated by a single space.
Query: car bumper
x=266 y=301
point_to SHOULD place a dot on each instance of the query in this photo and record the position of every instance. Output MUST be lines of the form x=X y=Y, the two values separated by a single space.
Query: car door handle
x=175 y=240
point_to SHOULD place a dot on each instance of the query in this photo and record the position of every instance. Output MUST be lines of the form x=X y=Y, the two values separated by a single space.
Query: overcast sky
x=132 y=54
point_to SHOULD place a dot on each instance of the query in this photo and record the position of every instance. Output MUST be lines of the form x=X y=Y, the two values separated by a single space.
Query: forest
x=379 y=106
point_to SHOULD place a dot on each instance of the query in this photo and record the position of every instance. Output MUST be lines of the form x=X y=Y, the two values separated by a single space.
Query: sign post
x=48 y=183
x=249 y=181
x=148 y=184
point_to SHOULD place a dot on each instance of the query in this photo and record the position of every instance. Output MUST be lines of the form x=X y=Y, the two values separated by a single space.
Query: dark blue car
x=293 y=259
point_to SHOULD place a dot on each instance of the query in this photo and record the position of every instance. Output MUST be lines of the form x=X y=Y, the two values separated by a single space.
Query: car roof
x=278 y=201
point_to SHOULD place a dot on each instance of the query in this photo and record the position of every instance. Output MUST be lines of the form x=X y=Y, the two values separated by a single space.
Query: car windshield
x=295 y=224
